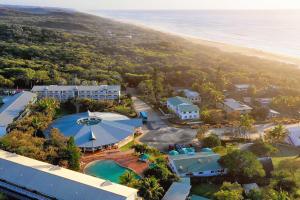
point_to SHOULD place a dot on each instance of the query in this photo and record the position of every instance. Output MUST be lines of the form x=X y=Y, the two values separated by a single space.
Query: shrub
x=211 y=141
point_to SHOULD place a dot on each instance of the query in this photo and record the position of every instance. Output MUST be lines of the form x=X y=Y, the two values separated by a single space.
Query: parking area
x=158 y=133
x=163 y=137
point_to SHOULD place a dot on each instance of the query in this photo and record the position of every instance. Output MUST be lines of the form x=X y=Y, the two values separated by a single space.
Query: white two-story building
x=183 y=108
x=66 y=92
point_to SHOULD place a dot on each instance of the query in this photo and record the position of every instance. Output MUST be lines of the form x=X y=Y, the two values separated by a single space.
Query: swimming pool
x=107 y=169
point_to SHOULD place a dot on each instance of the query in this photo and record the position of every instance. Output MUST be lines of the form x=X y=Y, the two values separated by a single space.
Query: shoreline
x=222 y=46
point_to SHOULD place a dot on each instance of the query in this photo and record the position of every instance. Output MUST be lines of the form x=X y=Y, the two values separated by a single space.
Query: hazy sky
x=161 y=4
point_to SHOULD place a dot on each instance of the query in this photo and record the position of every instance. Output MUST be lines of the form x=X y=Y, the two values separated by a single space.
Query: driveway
x=154 y=120
x=157 y=133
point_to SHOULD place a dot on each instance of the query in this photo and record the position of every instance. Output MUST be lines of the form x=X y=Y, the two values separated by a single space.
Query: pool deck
x=126 y=159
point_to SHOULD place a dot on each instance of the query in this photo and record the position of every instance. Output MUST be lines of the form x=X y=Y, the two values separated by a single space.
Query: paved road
x=157 y=133
x=154 y=120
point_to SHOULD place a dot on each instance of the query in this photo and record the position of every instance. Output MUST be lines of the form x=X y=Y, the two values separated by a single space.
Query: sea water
x=276 y=31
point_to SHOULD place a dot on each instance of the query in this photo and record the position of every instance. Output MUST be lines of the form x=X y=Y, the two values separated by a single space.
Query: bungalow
x=192 y=95
x=264 y=101
x=183 y=108
x=201 y=164
x=273 y=114
x=241 y=87
x=231 y=105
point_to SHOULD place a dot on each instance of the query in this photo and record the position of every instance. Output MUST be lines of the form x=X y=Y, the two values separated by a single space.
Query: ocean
x=276 y=31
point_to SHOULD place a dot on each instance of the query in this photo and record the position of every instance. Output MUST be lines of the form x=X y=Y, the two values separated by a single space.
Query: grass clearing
x=284 y=152
x=127 y=146
x=205 y=189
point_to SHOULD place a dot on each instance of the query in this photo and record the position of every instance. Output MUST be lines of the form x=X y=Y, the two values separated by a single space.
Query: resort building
x=202 y=164
x=96 y=131
x=231 y=105
x=26 y=178
x=13 y=108
x=241 y=87
x=192 y=96
x=183 y=108
x=66 y=92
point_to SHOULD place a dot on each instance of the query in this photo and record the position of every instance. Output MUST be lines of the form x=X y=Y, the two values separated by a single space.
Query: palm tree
x=128 y=179
x=277 y=134
x=150 y=189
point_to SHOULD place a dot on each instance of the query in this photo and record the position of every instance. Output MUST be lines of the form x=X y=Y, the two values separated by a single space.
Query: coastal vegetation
x=26 y=137
x=76 y=48
x=124 y=106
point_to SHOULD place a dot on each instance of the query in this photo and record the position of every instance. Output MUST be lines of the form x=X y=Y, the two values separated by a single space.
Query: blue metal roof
x=107 y=131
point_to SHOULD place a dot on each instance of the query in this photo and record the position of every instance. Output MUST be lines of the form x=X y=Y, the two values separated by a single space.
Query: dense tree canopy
x=229 y=191
x=74 y=48
x=242 y=164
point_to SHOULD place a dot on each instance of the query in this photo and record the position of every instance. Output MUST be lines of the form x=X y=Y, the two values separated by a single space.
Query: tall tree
x=150 y=189
x=73 y=153
x=157 y=84
x=242 y=164
x=246 y=124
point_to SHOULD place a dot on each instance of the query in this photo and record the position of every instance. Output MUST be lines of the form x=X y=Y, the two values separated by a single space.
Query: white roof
x=58 y=182
x=242 y=86
x=177 y=191
x=190 y=93
x=274 y=112
x=75 y=87
x=236 y=105
x=264 y=100
x=13 y=107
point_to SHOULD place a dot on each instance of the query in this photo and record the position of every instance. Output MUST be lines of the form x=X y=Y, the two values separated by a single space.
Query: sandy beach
x=246 y=51
x=225 y=47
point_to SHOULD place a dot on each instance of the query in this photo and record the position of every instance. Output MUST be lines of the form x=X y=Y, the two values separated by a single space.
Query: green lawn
x=205 y=189
x=127 y=147
x=284 y=153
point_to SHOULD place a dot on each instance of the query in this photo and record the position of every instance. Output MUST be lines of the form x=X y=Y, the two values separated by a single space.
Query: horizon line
x=153 y=9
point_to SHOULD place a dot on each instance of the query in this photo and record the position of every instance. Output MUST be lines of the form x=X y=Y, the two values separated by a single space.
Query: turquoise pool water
x=108 y=170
